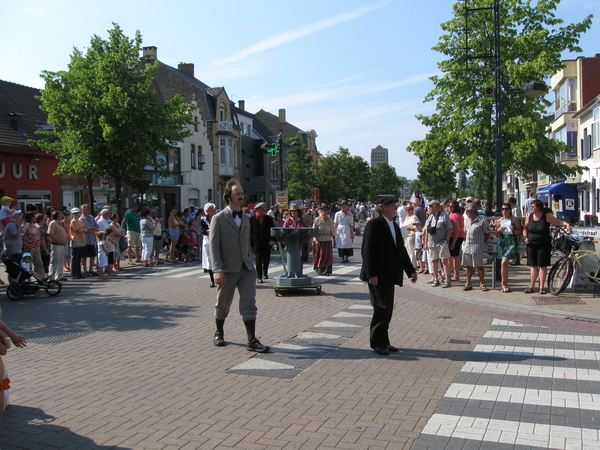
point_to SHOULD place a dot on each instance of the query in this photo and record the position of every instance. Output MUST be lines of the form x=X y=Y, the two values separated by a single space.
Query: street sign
x=282 y=199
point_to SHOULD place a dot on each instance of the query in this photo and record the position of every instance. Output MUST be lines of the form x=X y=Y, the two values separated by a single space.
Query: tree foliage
x=461 y=130
x=301 y=170
x=106 y=120
x=343 y=176
x=384 y=180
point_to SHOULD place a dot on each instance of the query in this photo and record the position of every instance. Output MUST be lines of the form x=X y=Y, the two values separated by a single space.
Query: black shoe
x=213 y=285
x=381 y=351
x=218 y=339
x=266 y=277
x=255 y=346
x=391 y=348
x=260 y=280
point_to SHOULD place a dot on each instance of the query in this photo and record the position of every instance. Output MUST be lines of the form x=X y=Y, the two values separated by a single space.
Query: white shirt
x=238 y=220
x=392 y=229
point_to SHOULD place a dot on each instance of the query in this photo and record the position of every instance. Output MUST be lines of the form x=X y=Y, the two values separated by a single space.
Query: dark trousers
x=76 y=261
x=382 y=300
x=263 y=258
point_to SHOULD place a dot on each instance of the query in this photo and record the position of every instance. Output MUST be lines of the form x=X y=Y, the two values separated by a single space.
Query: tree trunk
x=90 y=181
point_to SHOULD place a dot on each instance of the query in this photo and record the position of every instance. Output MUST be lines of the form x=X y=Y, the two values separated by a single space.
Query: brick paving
x=144 y=374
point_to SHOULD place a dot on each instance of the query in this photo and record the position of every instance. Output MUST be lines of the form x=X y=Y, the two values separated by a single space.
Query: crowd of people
x=75 y=243
x=445 y=236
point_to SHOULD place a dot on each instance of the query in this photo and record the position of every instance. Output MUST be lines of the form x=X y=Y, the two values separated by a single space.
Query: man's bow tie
x=237 y=213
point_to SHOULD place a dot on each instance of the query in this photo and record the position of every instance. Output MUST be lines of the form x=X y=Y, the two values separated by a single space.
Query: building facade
x=378 y=155
x=26 y=173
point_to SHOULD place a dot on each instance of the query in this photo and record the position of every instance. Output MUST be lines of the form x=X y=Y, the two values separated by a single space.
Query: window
x=222 y=112
x=222 y=151
x=195 y=123
x=565 y=99
x=235 y=153
x=200 y=158
x=193 y=156
x=274 y=170
x=596 y=129
x=173 y=160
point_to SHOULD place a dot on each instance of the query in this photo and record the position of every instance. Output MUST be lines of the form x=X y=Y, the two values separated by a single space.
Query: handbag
x=76 y=243
x=123 y=243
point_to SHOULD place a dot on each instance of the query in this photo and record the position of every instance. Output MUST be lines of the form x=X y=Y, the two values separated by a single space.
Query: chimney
x=242 y=105
x=282 y=115
x=187 y=68
x=149 y=53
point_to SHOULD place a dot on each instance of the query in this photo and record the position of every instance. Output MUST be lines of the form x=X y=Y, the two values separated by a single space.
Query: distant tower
x=378 y=154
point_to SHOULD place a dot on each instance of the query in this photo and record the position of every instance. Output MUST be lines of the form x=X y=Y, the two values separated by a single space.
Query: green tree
x=461 y=131
x=107 y=122
x=384 y=180
x=341 y=176
x=301 y=170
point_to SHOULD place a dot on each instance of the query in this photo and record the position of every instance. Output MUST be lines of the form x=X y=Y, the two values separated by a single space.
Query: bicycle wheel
x=560 y=275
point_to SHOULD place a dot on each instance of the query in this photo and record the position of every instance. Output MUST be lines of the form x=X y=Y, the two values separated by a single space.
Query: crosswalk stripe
x=512 y=432
x=539 y=397
x=535 y=352
x=546 y=337
x=181 y=275
x=559 y=373
x=492 y=372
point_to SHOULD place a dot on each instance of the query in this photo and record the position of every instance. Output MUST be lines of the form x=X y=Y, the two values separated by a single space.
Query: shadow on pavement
x=27 y=428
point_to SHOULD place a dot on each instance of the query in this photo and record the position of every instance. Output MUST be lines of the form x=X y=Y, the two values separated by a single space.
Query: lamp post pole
x=280 y=145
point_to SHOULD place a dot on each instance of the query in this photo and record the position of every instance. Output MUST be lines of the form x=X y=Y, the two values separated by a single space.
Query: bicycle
x=562 y=271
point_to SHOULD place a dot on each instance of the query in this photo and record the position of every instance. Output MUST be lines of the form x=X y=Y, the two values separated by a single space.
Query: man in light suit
x=232 y=265
x=383 y=268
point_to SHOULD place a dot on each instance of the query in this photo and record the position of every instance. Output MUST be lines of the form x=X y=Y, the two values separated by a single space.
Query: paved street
x=129 y=364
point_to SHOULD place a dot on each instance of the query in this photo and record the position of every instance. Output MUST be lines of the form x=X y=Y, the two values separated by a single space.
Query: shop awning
x=560 y=188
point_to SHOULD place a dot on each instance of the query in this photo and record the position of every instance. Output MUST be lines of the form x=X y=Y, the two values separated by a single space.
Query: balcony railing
x=226 y=170
x=225 y=125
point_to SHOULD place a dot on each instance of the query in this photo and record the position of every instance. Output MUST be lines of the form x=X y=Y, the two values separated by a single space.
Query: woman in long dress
x=209 y=211
x=345 y=232
x=295 y=220
x=323 y=249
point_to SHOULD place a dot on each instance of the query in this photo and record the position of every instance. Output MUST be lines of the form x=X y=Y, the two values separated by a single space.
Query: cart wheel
x=53 y=288
x=15 y=291
x=276 y=292
x=191 y=257
x=318 y=291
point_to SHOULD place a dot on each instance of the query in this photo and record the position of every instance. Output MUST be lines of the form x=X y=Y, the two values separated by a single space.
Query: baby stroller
x=21 y=284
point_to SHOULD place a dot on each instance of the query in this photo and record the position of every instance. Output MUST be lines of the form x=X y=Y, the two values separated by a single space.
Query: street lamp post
x=277 y=148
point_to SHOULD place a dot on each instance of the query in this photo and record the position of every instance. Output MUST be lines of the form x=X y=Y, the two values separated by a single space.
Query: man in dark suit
x=232 y=265
x=383 y=268
x=261 y=240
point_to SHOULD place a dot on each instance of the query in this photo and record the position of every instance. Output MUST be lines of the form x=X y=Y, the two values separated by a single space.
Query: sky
x=354 y=71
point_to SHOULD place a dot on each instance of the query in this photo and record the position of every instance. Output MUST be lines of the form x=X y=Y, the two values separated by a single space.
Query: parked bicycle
x=569 y=245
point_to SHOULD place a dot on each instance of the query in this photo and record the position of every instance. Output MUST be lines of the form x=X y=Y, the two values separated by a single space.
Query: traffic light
x=273 y=148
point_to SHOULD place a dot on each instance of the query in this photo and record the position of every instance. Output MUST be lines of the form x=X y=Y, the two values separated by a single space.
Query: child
x=185 y=243
x=7 y=210
x=419 y=254
x=102 y=253
x=19 y=341
x=111 y=245
x=26 y=263
x=357 y=227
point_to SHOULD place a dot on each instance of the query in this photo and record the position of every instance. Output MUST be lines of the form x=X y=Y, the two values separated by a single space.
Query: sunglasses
x=505 y=209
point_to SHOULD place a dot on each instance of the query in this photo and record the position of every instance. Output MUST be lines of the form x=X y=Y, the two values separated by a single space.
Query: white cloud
x=278 y=39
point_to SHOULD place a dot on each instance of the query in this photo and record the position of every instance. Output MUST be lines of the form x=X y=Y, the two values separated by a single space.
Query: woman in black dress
x=539 y=243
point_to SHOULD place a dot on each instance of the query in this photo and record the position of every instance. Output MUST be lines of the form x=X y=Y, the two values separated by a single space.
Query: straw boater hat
x=259 y=205
x=294 y=207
